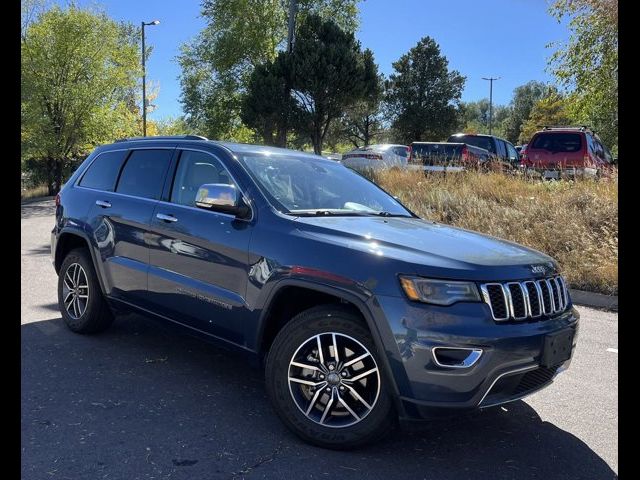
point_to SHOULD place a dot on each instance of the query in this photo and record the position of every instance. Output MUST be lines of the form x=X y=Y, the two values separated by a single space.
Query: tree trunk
x=50 y=163
x=58 y=175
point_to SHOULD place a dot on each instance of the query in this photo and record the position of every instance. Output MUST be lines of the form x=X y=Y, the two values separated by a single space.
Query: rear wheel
x=83 y=308
x=325 y=380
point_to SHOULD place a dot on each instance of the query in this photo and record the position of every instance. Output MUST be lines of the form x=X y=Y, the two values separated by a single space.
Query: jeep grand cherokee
x=361 y=312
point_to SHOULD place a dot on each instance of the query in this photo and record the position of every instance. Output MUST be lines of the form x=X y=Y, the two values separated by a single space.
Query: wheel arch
x=70 y=239
x=270 y=323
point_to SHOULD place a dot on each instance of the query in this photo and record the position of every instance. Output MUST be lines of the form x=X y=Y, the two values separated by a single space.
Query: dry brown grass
x=574 y=222
x=41 y=191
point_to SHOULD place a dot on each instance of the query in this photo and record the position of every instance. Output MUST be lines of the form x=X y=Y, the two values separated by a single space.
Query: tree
x=524 y=98
x=362 y=121
x=423 y=94
x=265 y=107
x=79 y=72
x=587 y=65
x=550 y=110
x=240 y=34
x=327 y=71
x=475 y=117
x=172 y=126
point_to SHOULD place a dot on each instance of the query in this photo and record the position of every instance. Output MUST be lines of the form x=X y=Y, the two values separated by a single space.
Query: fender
x=356 y=301
x=78 y=232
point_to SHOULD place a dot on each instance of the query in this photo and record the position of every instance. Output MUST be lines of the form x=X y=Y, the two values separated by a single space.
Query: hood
x=431 y=248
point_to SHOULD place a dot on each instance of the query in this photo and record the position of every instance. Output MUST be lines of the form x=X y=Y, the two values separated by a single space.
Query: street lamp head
x=154 y=22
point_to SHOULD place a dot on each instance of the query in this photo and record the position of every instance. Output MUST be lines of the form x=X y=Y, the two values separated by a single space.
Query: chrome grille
x=528 y=299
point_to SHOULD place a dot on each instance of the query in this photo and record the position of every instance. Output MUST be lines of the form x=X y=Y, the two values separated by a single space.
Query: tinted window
x=558 y=142
x=403 y=152
x=482 y=142
x=103 y=171
x=502 y=151
x=196 y=169
x=512 y=153
x=143 y=174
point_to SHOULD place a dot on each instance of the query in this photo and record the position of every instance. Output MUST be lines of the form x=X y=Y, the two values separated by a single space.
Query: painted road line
x=612 y=350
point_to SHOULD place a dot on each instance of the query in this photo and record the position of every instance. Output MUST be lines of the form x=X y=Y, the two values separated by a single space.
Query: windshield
x=306 y=186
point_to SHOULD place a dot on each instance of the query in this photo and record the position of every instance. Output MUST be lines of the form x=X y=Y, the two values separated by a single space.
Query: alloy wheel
x=75 y=291
x=334 y=380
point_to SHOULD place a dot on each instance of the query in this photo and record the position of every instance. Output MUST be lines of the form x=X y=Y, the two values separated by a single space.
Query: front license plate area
x=551 y=174
x=557 y=348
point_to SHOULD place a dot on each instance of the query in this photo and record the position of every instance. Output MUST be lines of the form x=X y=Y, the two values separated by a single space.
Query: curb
x=594 y=300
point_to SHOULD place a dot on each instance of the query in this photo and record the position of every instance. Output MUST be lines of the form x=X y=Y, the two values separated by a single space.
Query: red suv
x=566 y=151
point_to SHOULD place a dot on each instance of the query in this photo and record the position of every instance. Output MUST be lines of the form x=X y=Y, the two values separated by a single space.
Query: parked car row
x=552 y=152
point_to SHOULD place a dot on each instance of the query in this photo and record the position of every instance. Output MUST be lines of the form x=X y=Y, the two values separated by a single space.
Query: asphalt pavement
x=141 y=401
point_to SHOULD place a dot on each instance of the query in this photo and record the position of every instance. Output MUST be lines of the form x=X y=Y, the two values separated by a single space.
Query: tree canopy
x=79 y=73
x=239 y=35
x=587 y=65
x=422 y=95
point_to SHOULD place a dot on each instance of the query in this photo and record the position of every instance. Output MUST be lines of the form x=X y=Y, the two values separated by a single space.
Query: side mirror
x=220 y=197
x=615 y=161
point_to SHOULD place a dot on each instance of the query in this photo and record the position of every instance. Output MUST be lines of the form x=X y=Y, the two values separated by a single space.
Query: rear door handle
x=166 y=218
x=103 y=203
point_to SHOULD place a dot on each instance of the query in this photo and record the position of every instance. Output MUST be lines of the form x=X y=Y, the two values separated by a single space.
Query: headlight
x=439 y=292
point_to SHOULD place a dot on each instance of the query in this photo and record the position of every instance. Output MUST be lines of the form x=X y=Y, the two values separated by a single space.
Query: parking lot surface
x=141 y=401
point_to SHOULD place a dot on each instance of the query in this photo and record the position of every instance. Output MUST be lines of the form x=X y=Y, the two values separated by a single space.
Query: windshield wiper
x=321 y=212
x=389 y=214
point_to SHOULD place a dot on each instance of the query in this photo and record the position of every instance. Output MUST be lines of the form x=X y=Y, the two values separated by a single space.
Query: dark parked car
x=502 y=150
x=446 y=156
x=361 y=312
x=567 y=151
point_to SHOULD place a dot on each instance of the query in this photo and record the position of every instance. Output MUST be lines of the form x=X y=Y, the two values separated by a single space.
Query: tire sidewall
x=86 y=322
x=294 y=334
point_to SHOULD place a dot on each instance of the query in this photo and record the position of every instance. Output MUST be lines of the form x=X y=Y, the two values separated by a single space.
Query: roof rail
x=163 y=137
x=564 y=127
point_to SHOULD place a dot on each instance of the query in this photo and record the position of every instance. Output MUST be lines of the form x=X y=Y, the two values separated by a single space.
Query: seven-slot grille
x=528 y=299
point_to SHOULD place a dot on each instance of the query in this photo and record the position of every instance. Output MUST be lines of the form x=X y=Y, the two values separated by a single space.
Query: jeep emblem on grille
x=538 y=269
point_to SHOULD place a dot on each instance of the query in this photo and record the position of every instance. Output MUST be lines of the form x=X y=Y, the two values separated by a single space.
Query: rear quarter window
x=103 y=171
x=143 y=174
x=557 y=142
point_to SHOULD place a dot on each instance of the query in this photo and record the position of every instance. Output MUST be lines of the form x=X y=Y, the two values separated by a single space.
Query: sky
x=480 y=38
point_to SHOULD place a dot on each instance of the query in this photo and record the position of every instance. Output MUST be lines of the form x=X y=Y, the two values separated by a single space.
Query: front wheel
x=325 y=379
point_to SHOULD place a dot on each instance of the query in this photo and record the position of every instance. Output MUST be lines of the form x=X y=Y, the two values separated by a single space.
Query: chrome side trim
x=510 y=372
x=470 y=361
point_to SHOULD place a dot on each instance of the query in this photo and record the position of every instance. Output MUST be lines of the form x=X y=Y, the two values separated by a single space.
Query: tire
x=82 y=315
x=340 y=429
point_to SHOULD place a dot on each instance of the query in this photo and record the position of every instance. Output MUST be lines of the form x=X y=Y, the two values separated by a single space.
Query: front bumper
x=510 y=366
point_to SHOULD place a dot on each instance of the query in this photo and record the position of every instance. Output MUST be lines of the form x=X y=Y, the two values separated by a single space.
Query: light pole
x=144 y=80
x=491 y=79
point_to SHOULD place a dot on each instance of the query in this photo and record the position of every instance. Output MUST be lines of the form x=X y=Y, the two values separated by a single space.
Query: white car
x=377 y=157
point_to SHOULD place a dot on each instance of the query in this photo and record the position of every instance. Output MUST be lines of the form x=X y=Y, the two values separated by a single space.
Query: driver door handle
x=166 y=218
x=103 y=203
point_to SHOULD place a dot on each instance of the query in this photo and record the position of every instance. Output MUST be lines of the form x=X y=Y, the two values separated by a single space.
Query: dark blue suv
x=361 y=312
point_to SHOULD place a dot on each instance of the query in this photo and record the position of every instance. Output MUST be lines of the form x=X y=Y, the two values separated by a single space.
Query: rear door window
x=512 y=153
x=558 y=142
x=103 y=171
x=143 y=174
x=501 y=149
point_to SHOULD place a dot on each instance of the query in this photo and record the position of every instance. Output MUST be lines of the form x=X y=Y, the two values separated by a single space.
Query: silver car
x=375 y=157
